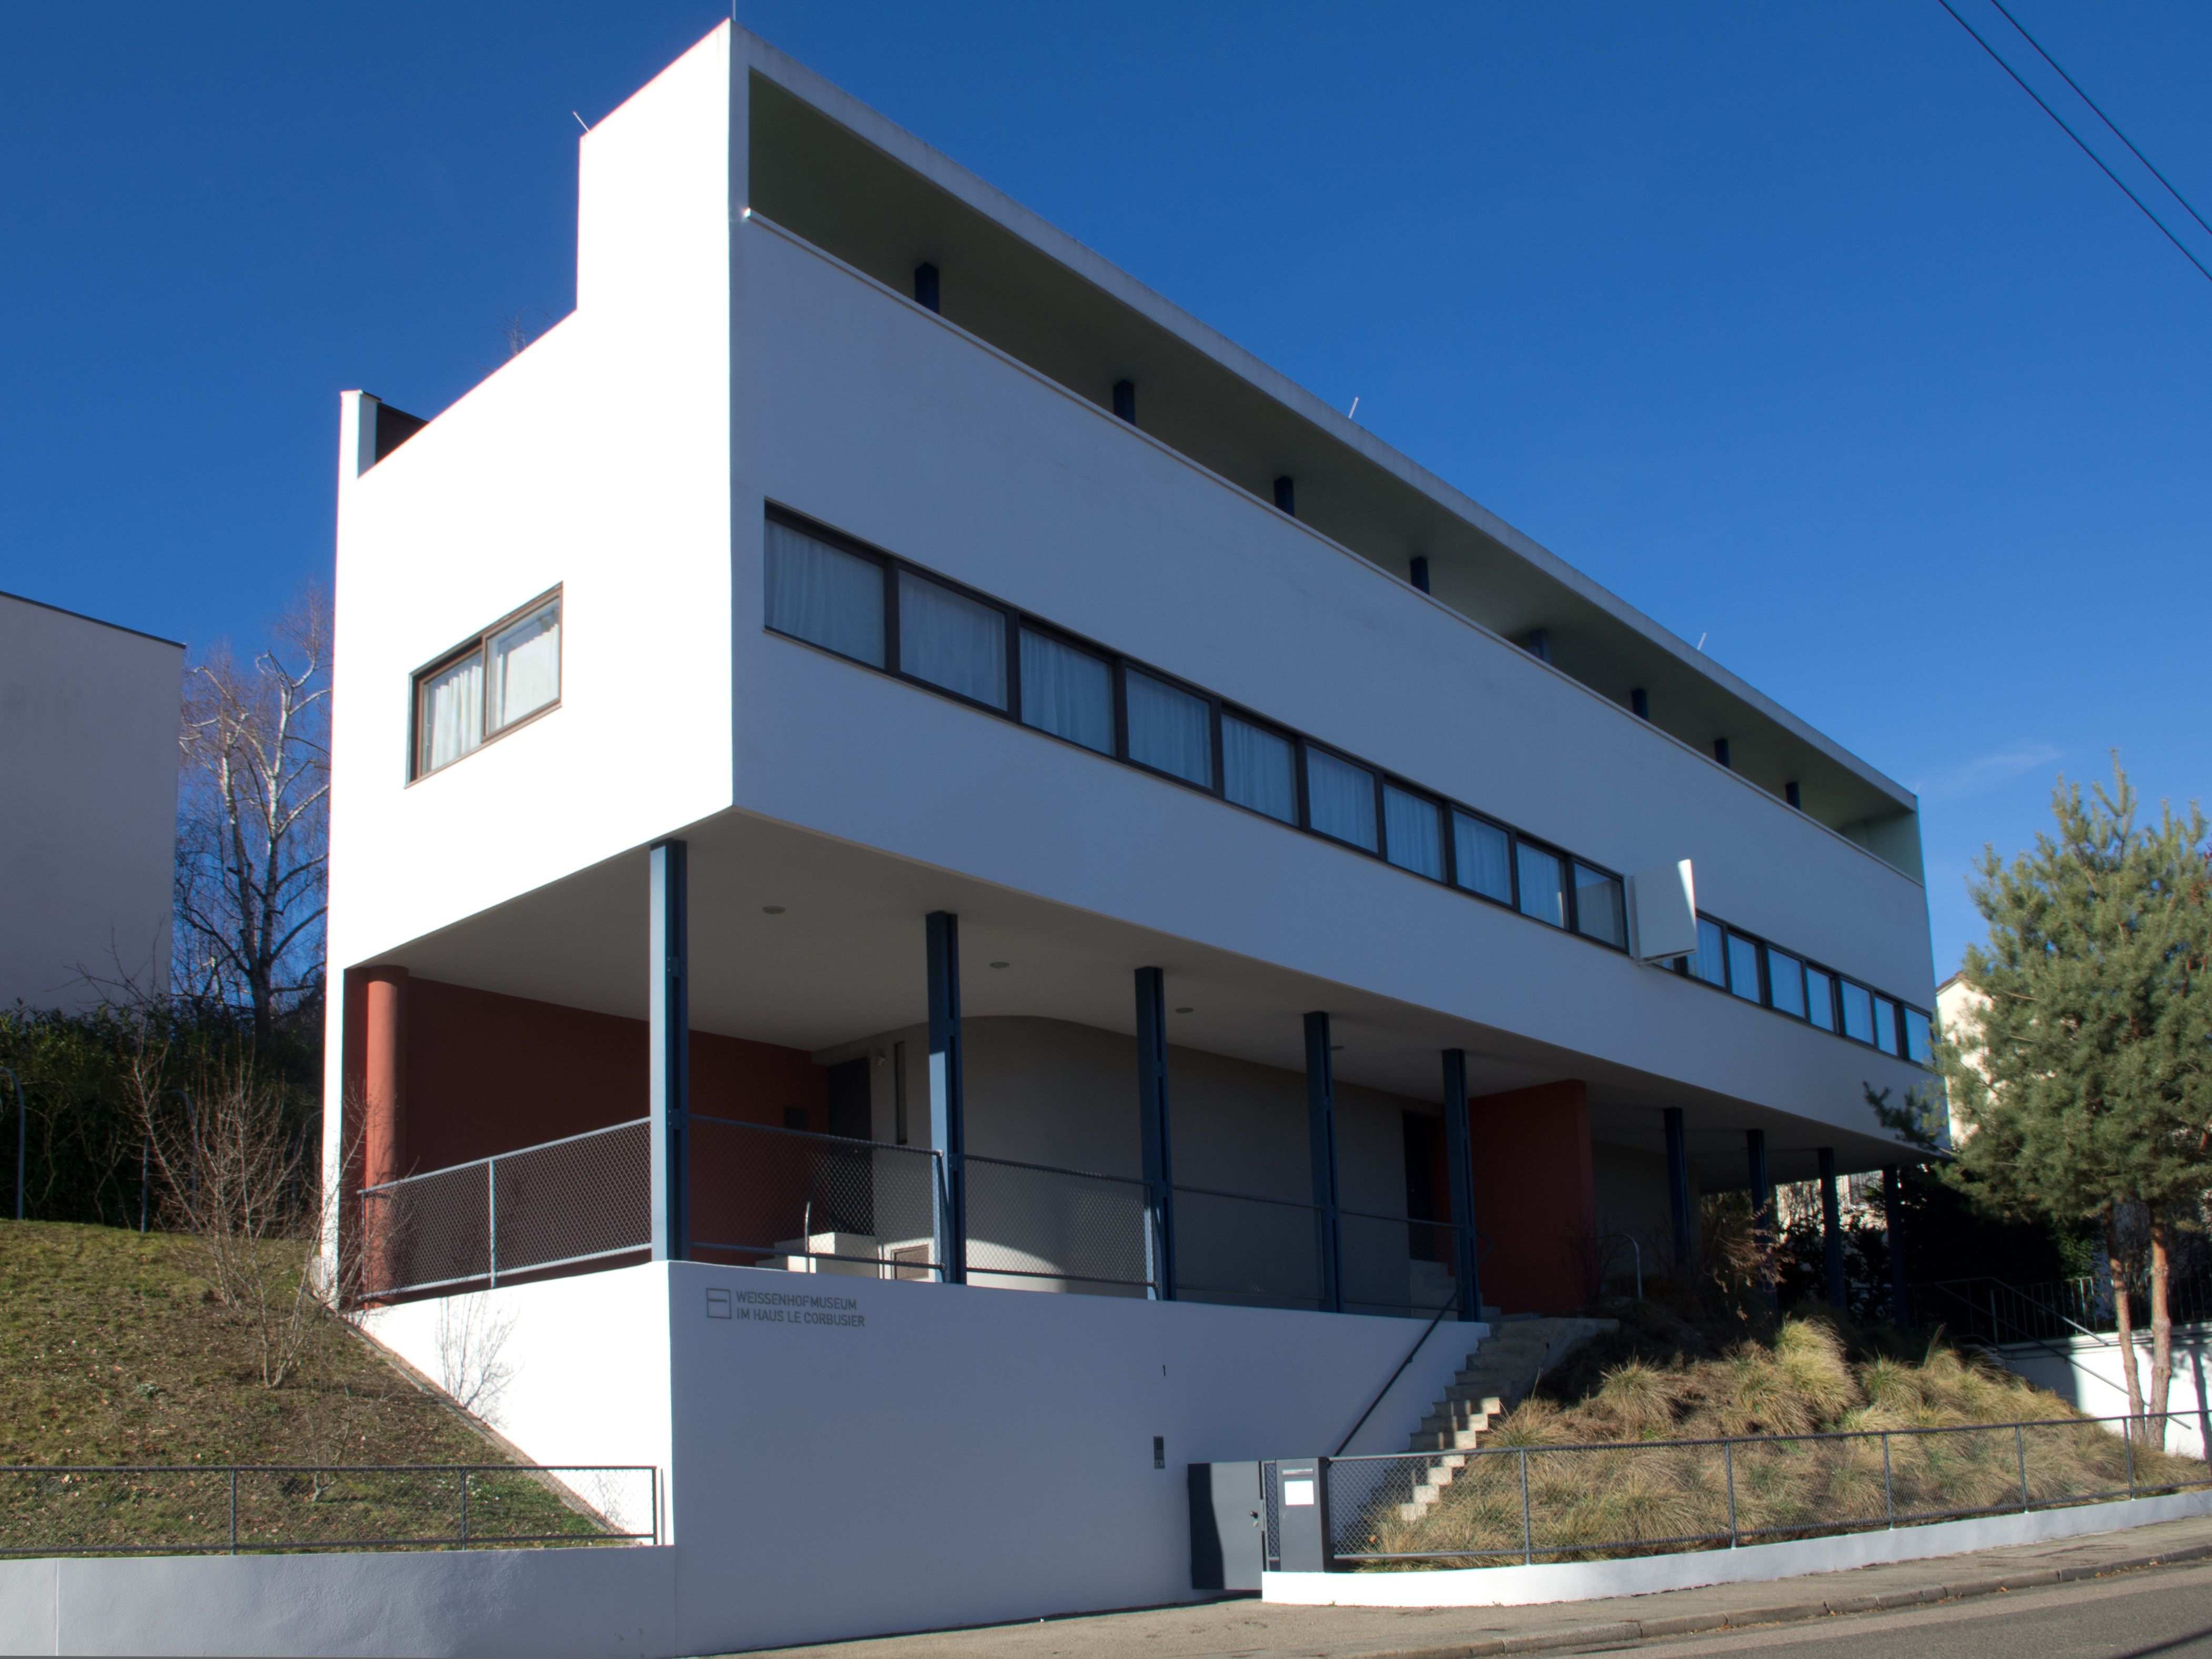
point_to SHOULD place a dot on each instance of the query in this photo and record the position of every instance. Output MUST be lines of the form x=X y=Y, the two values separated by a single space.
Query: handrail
x=1419 y=1343
x=1045 y=1169
x=517 y=1151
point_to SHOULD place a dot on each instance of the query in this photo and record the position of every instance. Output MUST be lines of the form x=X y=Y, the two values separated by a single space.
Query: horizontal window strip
x=827 y=589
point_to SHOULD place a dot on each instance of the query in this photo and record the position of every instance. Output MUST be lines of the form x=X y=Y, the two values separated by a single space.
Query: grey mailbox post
x=1302 y=1504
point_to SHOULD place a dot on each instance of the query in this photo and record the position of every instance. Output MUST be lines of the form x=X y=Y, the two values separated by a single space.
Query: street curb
x=1614 y=1631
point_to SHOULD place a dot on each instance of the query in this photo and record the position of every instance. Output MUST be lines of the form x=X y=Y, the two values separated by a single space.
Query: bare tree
x=252 y=841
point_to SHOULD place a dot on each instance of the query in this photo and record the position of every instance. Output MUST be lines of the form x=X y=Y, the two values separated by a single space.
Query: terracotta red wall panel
x=487 y=1073
x=1535 y=1196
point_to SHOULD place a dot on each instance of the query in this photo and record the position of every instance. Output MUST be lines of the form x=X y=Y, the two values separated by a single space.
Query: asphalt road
x=2164 y=1612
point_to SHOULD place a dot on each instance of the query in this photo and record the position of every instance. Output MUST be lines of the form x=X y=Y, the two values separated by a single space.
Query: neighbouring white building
x=880 y=766
x=88 y=720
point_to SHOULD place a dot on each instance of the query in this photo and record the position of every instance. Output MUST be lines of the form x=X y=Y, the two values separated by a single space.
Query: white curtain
x=824 y=595
x=1341 y=798
x=951 y=641
x=525 y=666
x=1412 y=832
x=453 y=712
x=1067 y=692
x=1485 y=858
x=1259 y=769
x=1542 y=894
x=1171 y=730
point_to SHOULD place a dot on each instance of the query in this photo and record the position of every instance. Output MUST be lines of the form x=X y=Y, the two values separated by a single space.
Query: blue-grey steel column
x=1152 y=1130
x=1459 y=1156
x=1678 y=1193
x=948 y=1130
x=669 y=1092
x=1762 y=1211
x=1832 y=1229
x=1320 y=1131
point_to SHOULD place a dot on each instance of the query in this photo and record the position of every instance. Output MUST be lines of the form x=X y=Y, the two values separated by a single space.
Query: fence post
x=465 y=1509
x=1727 y=1462
x=2128 y=1434
x=234 y=1508
x=1888 y=1499
x=145 y=1180
x=2020 y=1444
x=491 y=1255
x=22 y=1140
x=1528 y=1544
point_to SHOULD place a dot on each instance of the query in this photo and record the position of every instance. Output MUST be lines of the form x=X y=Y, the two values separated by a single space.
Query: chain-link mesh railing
x=1036 y=1221
x=1393 y=1264
x=1250 y=1251
x=563 y=1203
x=763 y=1196
x=156 y=1509
x=1539 y=1502
x=1991 y=1310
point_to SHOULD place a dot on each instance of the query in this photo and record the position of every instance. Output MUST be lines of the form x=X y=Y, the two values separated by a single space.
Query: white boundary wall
x=1587 y=1580
x=2087 y=1371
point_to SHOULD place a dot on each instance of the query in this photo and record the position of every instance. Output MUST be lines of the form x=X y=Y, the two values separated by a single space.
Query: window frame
x=1306 y=745
x=480 y=648
x=1018 y=713
x=1566 y=861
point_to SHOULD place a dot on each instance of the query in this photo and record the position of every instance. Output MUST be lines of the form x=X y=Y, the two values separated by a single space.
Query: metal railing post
x=1888 y=1495
x=2128 y=1435
x=234 y=1508
x=1727 y=1462
x=22 y=1138
x=1527 y=1536
x=491 y=1258
x=2020 y=1444
x=465 y=1509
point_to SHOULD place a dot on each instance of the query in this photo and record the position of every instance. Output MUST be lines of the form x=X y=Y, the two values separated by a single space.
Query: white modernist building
x=88 y=715
x=882 y=769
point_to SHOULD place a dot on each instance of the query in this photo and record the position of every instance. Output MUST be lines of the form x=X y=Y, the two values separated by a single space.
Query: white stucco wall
x=2089 y=1373
x=88 y=724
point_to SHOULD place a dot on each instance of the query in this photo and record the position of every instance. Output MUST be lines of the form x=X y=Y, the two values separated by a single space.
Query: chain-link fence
x=1578 y=1503
x=763 y=1196
x=159 y=1510
x=1395 y=1264
x=1036 y=1222
x=1250 y=1251
x=562 y=1204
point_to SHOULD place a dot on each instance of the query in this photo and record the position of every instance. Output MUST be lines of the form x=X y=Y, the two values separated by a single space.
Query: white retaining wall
x=2088 y=1373
x=1584 y=1581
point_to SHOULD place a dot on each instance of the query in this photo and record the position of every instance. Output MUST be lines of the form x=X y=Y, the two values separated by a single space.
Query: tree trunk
x=2117 y=1261
x=2161 y=1320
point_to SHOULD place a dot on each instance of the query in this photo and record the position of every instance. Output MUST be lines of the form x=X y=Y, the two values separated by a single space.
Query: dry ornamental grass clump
x=1650 y=1484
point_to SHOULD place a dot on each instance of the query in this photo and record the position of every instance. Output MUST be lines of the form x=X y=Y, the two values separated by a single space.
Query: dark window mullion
x=1305 y=801
x=891 y=653
x=1013 y=648
x=1382 y=819
x=1221 y=754
x=1122 y=710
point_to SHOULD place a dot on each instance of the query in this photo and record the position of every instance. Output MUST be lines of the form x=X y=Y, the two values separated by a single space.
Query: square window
x=525 y=666
x=1785 y=981
x=1885 y=1025
x=450 y=721
x=1711 y=964
x=1543 y=884
x=1857 y=1005
x=1412 y=832
x=1067 y=691
x=1482 y=855
x=951 y=641
x=1919 y=1039
x=1170 y=730
x=824 y=595
x=1259 y=769
x=1340 y=798
x=1600 y=912
x=1743 y=968
x=1820 y=998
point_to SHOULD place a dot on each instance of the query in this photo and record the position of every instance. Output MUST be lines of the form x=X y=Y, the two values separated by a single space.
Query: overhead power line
x=2061 y=71
x=2041 y=103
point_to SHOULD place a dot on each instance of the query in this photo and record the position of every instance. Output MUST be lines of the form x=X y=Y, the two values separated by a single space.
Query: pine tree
x=2085 y=1084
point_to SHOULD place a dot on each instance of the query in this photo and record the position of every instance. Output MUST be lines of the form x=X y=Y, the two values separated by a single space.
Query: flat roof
x=97 y=621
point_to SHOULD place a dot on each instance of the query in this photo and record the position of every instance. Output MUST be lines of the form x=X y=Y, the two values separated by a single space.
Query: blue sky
x=1799 y=327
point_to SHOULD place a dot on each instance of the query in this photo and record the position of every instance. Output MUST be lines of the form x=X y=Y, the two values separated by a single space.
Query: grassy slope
x=1657 y=1382
x=112 y=1351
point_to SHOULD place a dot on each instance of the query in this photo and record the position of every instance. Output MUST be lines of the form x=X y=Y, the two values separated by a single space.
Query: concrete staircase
x=1497 y=1377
